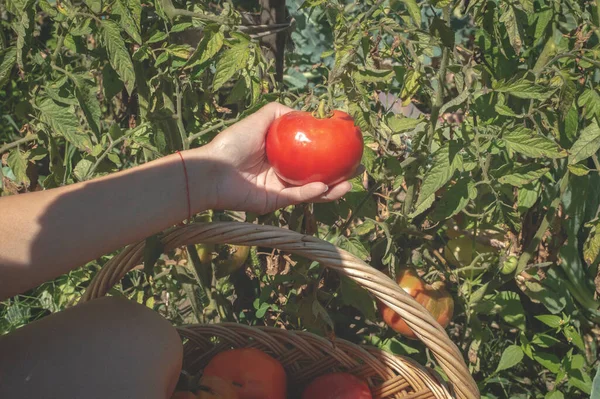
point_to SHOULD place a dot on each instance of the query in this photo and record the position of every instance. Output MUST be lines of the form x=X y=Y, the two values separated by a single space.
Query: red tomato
x=216 y=388
x=304 y=149
x=433 y=297
x=255 y=374
x=337 y=386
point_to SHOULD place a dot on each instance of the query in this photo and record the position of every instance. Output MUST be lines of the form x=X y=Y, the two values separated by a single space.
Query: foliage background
x=481 y=122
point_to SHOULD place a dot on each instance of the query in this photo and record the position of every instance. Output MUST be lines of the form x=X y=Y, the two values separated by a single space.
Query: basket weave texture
x=306 y=355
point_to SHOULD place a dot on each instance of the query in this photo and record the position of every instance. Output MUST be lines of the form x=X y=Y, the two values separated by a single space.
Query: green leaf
x=111 y=83
x=523 y=89
x=82 y=169
x=414 y=10
x=512 y=310
x=596 y=385
x=411 y=85
x=127 y=22
x=527 y=142
x=18 y=165
x=511 y=356
x=591 y=248
x=63 y=121
x=87 y=92
x=548 y=360
x=527 y=196
x=544 y=340
x=527 y=6
x=590 y=101
x=401 y=124
x=373 y=75
x=6 y=66
x=554 y=395
x=574 y=337
x=550 y=320
x=581 y=381
x=209 y=47
x=513 y=28
x=119 y=58
x=543 y=19
x=586 y=145
x=354 y=246
x=423 y=206
x=523 y=175
x=22 y=27
x=157 y=37
x=579 y=169
x=455 y=199
x=354 y=295
x=320 y=312
x=504 y=110
x=439 y=29
x=94 y=5
x=238 y=93
x=233 y=60
x=161 y=59
x=446 y=160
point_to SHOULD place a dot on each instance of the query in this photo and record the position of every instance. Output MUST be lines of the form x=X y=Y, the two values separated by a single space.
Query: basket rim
x=383 y=288
x=385 y=365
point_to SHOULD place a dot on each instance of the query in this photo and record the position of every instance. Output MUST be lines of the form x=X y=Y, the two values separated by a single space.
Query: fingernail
x=326 y=188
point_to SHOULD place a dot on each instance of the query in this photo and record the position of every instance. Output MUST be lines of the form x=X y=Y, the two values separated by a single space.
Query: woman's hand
x=242 y=177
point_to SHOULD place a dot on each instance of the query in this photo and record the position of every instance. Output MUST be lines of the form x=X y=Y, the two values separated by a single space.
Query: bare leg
x=106 y=349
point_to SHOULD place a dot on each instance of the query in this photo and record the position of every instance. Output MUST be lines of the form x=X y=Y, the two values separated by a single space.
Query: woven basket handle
x=378 y=284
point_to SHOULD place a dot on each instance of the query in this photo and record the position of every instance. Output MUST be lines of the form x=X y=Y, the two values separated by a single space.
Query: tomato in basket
x=255 y=374
x=216 y=388
x=337 y=386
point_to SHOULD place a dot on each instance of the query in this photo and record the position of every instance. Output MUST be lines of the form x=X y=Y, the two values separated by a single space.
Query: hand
x=243 y=178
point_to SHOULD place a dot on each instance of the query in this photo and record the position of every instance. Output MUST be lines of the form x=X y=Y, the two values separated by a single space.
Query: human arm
x=48 y=233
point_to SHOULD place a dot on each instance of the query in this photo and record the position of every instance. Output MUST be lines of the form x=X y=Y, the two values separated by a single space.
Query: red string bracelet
x=187 y=187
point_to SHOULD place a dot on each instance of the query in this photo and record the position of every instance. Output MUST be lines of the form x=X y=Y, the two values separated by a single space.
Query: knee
x=139 y=333
x=139 y=326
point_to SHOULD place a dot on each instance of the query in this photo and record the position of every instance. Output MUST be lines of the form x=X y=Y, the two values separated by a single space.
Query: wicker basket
x=306 y=355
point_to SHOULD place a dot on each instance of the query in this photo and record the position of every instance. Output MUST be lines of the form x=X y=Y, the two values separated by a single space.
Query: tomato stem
x=323 y=111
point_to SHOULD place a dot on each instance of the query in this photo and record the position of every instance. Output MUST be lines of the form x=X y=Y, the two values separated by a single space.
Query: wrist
x=202 y=171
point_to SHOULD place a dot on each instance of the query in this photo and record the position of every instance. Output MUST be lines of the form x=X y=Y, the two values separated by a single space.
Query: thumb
x=297 y=195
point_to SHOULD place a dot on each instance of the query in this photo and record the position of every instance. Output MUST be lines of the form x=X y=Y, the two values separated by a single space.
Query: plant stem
x=17 y=143
x=211 y=129
x=546 y=222
x=110 y=147
x=178 y=97
x=438 y=97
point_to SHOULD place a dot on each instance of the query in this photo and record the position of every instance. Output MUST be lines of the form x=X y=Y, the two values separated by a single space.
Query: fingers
x=334 y=193
x=297 y=195
x=262 y=119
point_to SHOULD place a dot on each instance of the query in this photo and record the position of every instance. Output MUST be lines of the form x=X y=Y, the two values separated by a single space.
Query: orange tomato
x=433 y=297
x=255 y=374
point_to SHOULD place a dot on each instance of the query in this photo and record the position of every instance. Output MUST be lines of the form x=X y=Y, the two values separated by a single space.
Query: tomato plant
x=305 y=148
x=255 y=374
x=480 y=122
x=434 y=297
x=337 y=386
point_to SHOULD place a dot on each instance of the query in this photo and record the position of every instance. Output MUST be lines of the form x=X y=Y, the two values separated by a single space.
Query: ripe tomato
x=337 y=386
x=433 y=297
x=304 y=149
x=255 y=374
x=216 y=388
